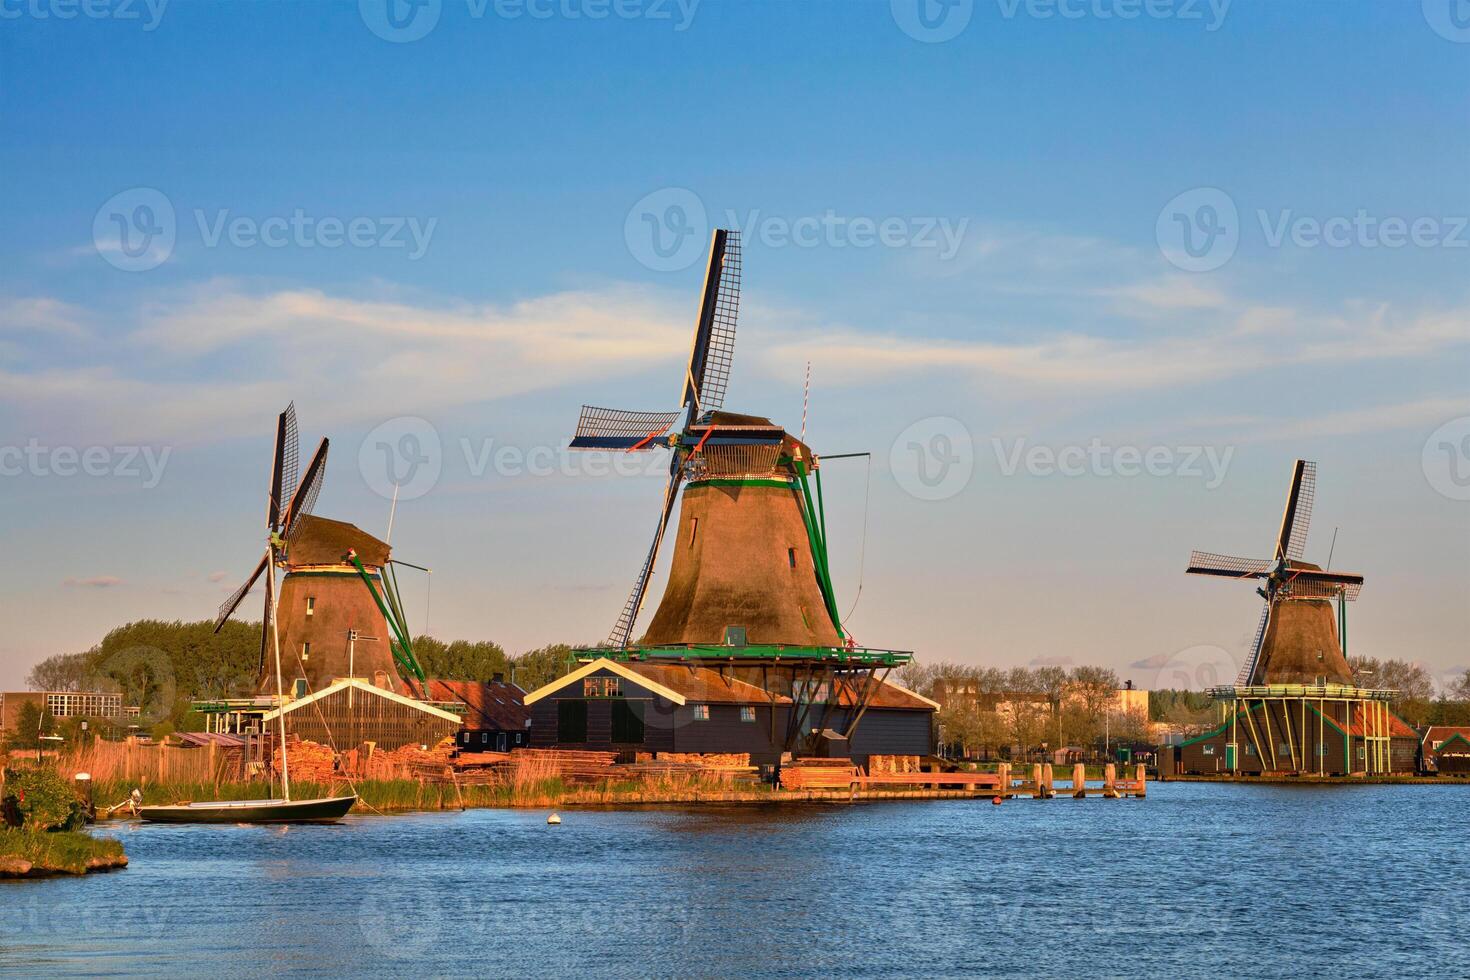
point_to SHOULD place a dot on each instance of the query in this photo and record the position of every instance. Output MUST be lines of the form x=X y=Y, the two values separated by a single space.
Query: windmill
x=1297 y=640
x=749 y=585
x=338 y=588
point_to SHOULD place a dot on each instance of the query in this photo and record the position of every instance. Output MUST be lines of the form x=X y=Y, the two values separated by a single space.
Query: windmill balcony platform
x=1307 y=692
x=718 y=653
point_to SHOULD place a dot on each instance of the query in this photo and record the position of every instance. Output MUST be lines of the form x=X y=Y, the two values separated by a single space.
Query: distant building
x=496 y=717
x=62 y=704
x=1446 y=748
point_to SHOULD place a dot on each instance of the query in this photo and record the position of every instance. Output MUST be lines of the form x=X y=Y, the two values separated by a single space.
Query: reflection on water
x=1198 y=880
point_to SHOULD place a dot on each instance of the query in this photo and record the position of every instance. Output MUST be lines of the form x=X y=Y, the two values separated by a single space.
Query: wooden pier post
x=1141 y=774
x=1005 y=781
x=1047 y=790
x=1036 y=781
x=1110 y=781
x=1079 y=781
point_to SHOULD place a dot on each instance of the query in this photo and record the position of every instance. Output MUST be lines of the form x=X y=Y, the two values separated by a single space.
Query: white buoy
x=553 y=819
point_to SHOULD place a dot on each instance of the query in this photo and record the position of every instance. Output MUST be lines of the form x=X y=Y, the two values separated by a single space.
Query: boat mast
x=271 y=603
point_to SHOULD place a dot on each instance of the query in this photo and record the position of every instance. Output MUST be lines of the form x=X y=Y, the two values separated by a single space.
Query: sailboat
x=282 y=525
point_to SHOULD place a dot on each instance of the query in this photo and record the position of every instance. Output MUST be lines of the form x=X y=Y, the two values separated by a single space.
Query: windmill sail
x=615 y=428
x=623 y=630
x=1249 y=669
x=714 y=336
x=305 y=497
x=288 y=462
x=228 y=607
x=1291 y=542
x=1207 y=563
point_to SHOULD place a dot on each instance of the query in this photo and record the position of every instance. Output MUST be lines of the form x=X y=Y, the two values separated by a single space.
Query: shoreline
x=32 y=855
x=1284 y=780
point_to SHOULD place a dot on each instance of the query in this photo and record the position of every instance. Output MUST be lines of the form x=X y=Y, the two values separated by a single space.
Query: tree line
x=162 y=667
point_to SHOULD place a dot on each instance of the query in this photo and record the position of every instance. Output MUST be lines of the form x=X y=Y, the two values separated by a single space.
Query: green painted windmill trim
x=401 y=647
x=819 y=549
x=1221 y=730
x=735 y=481
x=765 y=652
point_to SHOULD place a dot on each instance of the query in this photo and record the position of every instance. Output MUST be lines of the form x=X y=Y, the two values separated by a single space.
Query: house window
x=747 y=714
x=1207 y=749
x=1250 y=749
x=735 y=636
x=306 y=651
x=1362 y=752
x=627 y=722
x=701 y=712
x=571 y=721
x=791 y=557
x=484 y=738
x=602 y=687
x=1283 y=749
x=1322 y=749
x=310 y=605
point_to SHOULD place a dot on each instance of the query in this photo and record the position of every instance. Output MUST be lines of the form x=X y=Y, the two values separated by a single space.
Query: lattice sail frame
x=1306 y=497
x=721 y=352
x=611 y=425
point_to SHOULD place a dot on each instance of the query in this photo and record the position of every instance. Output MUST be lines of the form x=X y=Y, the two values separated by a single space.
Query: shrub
x=39 y=799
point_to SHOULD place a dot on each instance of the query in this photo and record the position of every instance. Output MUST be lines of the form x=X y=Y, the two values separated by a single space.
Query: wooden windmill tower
x=749 y=585
x=1296 y=695
x=338 y=610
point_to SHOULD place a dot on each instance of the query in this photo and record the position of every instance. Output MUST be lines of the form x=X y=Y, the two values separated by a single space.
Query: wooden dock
x=1038 y=781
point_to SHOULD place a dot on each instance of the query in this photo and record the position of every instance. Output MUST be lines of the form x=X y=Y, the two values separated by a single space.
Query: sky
x=1084 y=276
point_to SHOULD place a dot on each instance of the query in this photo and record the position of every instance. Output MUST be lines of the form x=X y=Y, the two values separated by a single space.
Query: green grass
x=57 y=853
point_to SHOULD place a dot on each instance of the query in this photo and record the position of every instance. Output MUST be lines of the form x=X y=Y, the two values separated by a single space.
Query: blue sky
x=1035 y=172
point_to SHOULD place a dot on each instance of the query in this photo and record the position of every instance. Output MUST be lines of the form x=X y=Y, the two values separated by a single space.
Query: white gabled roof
x=617 y=668
x=343 y=683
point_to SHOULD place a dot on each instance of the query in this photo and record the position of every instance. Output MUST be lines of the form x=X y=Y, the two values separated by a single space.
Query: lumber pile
x=893 y=763
x=807 y=774
x=703 y=760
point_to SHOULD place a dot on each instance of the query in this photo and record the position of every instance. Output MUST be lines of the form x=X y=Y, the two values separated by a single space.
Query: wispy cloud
x=93 y=582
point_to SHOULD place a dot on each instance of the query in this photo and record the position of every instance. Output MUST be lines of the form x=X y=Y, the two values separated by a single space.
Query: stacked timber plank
x=805 y=774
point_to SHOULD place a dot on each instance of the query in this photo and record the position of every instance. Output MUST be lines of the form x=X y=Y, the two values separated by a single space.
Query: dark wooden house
x=1446 y=749
x=1299 y=735
x=637 y=707
x=496 y=718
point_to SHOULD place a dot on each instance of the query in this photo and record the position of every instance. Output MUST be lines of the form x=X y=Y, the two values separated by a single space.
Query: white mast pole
x=272 y=601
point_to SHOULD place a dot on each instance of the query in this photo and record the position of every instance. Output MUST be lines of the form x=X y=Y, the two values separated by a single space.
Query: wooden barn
x=351 y=711
x=1446 y=749
x=633 y=707
x=496 y=718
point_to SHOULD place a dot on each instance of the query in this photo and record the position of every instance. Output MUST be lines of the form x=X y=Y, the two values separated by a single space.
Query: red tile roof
x=1396 y=727
x=1440 y=733
x=495 y=704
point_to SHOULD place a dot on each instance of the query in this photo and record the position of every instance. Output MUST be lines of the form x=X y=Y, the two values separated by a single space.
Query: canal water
x=1197 y=880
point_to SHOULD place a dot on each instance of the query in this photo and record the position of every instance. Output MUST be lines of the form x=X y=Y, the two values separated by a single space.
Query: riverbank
x=1308 y=780
x=26 y=854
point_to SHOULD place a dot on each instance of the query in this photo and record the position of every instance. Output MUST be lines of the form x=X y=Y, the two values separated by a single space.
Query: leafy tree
x=1459 y=689
x=536 y=668
x=63 y=672
x=460 y=660
x=30 y=723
